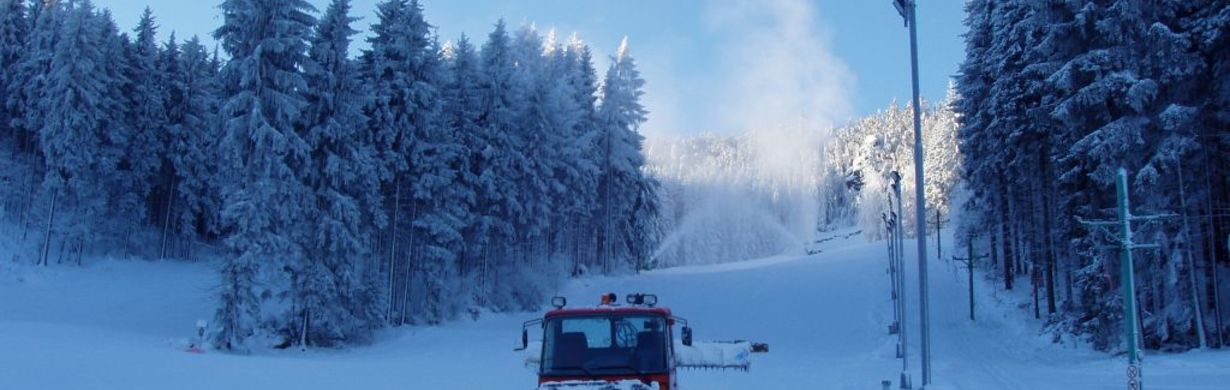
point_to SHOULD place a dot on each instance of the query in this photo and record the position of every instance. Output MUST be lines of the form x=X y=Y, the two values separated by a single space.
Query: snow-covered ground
x=124 y=325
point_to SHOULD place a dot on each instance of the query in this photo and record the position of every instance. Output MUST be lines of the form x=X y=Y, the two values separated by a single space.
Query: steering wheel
x=626 y=333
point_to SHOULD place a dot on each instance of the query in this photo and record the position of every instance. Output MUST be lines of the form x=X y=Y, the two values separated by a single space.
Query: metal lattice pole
x=1129 y=281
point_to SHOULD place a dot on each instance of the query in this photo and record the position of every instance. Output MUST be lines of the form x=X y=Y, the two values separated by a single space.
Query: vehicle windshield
x=605 y=345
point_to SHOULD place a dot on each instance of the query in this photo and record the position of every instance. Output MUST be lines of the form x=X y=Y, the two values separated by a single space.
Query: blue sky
x=711 y=65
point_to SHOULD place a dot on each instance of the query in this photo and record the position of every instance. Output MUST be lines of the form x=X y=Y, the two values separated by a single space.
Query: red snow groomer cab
x=625 y=347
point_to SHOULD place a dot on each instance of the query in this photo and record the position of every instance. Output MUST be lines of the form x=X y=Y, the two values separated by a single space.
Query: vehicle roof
x=581 y=311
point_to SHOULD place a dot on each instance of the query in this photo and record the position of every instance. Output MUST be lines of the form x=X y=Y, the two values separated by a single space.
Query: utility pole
x=908 y=11
x=1129 y=281
x=969 y=261
x=1127 y=272
x=939 y=224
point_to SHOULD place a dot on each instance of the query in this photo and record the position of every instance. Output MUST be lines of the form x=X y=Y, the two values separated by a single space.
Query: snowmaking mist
x=754 y=193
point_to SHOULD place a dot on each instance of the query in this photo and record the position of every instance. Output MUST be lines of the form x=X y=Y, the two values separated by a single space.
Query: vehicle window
x=605 y=344
x=597 y=330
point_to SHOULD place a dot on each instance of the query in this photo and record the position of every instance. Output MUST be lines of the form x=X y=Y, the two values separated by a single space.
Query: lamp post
x=908 y=9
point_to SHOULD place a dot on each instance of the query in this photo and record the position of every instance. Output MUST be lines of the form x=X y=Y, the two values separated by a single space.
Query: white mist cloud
x=780 y=64
x=755 y=194
x=786 y=89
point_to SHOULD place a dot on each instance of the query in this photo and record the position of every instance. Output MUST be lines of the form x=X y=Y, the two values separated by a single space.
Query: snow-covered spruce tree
x=27 y=82
x=500 y=164
x=442 y=197
x=14 y=27
x=193 y=127
x=575 y=169
x=582 y=79
x=31 y=73
x=169 y=63
x=1123 y=78
x=265 y=200
x=384 y=74
x=420 y=153
x=328 y=287
x=537 y=123
x=80 y=152
x=973 y=84
x=628 y=197
x=16 y=175
x=1054 y=97
x=943 y=160
x=1211 y=30
x=146 y=128
x=462 y=113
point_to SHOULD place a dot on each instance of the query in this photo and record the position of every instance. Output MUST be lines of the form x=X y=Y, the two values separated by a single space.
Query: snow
x=125 y=325
x=723 y=355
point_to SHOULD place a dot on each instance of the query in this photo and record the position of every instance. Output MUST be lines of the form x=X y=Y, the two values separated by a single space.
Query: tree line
x=1055 y=97
x=863 y=157
x=412 y=183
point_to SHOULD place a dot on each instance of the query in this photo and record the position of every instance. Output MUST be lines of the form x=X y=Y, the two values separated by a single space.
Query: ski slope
x=124 y=325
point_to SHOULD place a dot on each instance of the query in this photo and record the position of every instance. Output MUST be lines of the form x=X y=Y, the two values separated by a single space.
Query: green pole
x=1129 y=283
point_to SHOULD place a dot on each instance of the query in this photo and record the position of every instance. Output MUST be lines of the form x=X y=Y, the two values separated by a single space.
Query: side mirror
x=525 y=333
x=687 y=336
x=525 y=339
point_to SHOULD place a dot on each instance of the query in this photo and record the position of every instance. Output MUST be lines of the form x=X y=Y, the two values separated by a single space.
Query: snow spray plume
x=755 y=195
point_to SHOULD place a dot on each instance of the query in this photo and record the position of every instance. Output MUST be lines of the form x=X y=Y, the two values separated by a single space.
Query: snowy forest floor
x=124 y=325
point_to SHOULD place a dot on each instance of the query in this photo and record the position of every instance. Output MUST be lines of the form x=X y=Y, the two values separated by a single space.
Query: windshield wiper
x=628 y=366
x=582 y=368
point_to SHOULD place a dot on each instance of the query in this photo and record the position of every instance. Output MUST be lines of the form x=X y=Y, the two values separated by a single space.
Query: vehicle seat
x=570 y=349
x=650 y=352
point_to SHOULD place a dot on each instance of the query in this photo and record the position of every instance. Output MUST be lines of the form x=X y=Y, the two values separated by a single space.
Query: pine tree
x=80 y=152
x=582 y=79
x=441 y=196
x=30 y=77
x=343 y=180
x=194 y=130
x=1055 y=97
x=265 y=201
x=629 y=198
x=462 y=114
x=420 y=156
x=13 y=32
x=147 y=137
x=17 y=173
x=501 y=162
x=542 y=121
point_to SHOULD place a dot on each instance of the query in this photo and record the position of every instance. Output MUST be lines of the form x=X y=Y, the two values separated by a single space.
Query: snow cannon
x=633 y=346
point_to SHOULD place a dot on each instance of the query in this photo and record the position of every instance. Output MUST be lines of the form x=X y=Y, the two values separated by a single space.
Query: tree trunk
x=51 y=215
x=412 y=260
x=303 y=331
x=393 y=247
x=994 y=247
x=127 y=239
x=1047 y=232
x=27 y=208
x=1214 y=291
x=1006 y=230
x=166 y=220
x=1191 y=261
x=80 y=250
x=1221 y=341
x=1033 y=281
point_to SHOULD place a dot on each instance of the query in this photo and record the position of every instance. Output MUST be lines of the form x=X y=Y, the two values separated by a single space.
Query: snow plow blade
x=718 y=355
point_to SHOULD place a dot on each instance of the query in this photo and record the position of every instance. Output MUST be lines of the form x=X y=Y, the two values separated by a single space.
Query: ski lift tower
x=1127 y=269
